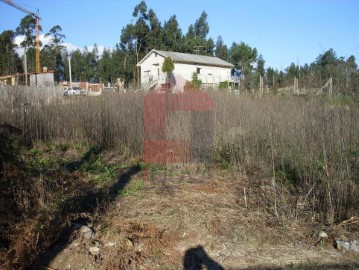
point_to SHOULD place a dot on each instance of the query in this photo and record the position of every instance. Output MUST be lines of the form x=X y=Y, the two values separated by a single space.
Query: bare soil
x=193 y=217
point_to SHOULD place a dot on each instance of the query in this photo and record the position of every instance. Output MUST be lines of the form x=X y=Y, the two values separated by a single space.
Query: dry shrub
x=308 y=146
x=136 y=242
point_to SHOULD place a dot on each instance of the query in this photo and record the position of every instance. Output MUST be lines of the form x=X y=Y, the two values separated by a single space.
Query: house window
x=198 y=70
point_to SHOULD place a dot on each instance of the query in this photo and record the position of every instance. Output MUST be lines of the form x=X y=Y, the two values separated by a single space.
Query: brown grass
x=303 y=147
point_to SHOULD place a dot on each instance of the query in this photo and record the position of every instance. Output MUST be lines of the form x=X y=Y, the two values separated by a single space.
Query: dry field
x=283 y=169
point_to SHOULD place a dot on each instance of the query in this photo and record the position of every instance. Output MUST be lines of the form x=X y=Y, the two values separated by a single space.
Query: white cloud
x=46 y=40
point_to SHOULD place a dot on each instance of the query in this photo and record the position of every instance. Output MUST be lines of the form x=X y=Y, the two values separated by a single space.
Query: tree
x=201 y=27
x=172 y=35
x=221 y=50
x=260 y=65
x=327 y=63
x=168 y=67
x=155 y=32
x=27 y=28
x=271 y=77
x=195 y=81
x=105 y=67
x=10 y=62
x=52 y=53
x=195 y=39
x=292 y=71
x=242 y=56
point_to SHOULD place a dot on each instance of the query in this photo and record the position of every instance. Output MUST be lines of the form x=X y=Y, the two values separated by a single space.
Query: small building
x=43 y=79
x=210 y=70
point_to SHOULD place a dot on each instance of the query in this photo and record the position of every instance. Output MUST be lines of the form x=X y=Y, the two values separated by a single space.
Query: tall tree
x=243 y=57
x=10 y=62
x=327 y=63
x=201 y=27
x=27 y=28
x=105 y=67
x=221 y=50
x=172 y=34
x=155 y=32
x=52 y=53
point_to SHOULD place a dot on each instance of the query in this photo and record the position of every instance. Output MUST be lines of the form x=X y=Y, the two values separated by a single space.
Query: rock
x=87 y=232
x=110 y=244
x=129 y=243
x=354 y=246
x=96 y=243
x=347 y=245
x=94 y=250
x=323 y=234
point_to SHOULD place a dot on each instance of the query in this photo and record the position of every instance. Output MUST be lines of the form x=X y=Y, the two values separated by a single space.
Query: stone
x=110 y=244
x=354 y=246
x=323 y=234
x=87 y=232
x=347 y=245
x=94 y=250
x=129 y=243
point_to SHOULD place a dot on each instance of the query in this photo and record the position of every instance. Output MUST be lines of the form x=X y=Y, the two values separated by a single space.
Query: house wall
x=208 y=74
x=151 y=69
x=151 y=72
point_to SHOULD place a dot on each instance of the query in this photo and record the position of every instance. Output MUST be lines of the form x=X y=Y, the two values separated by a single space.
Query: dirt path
x=187 y=217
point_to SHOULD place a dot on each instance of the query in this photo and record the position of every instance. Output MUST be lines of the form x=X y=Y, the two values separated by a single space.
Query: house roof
x=190 y=59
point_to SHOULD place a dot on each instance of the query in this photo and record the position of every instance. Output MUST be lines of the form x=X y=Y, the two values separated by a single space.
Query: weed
x=133 y=188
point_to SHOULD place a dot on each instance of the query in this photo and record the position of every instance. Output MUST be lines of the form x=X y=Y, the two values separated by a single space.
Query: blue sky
x=283 y=31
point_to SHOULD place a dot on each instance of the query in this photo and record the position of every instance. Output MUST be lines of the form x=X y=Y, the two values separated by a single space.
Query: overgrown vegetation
x=223 y=85
x=196 y=82
x=307 y=146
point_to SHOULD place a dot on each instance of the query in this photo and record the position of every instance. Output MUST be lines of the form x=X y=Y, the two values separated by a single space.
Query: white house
x=211 y=70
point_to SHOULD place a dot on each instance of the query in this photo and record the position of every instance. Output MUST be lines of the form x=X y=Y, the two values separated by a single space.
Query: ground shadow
x=309 y=266
x=94 y=151
x=197 y=258
x=89 y=201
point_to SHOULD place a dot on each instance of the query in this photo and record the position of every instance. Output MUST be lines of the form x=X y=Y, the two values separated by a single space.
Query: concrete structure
x=44 y=79
x=210 y=70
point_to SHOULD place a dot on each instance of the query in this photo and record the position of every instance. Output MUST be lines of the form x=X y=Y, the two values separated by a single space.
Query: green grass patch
x=134 y=188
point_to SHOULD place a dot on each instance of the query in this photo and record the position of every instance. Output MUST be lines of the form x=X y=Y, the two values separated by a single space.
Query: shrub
x=223 y=85
x=195 y=81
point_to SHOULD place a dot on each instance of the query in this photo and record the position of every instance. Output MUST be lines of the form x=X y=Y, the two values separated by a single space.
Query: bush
x=195 y=81
x=223 y=85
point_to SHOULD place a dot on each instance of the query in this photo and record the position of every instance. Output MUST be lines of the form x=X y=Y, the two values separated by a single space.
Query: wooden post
x=261 y=90
x=330 y=86
x=296 y=86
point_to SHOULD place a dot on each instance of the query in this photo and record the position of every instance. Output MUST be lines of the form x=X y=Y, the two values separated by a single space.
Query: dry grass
x=283 y=158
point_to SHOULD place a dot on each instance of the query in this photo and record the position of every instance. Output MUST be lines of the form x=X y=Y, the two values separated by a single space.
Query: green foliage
x=221 y=50
x=196 y=83
x=10 y=62
x=133 y=188
x=168 y=65
x=223 y=85
x=27 y=28
x=146 y=32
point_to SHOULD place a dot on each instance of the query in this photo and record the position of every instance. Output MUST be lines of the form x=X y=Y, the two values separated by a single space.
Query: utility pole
x=70 y=75
x=197 y=49
x=25 y=67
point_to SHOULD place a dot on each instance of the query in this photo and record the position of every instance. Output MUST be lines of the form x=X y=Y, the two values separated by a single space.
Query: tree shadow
x=94 y=151
x=89 y=201
x=307 y=266
x=197 y=258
